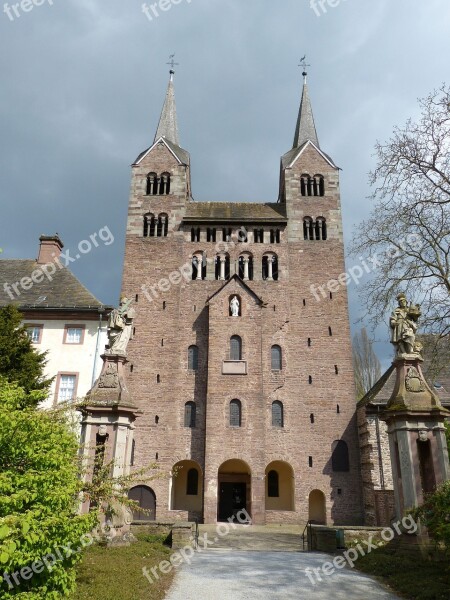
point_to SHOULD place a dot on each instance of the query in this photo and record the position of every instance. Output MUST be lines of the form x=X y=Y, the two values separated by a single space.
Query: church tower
x=241 y=359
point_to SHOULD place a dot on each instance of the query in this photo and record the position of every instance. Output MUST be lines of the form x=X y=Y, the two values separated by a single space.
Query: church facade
x=241 y=369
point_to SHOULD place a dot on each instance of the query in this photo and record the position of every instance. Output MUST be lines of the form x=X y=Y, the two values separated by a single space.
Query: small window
x=192 y=483
x=34 y=332
x=276 y=359
x=74 y=335
x=235 y=348
x=310 y=461
x=340 y=459
x=190 y=411
x=133 y=452
x=312 y=418
x=211 y=234
x=273 y=485
x=195 y=234
x=226 y=234
x=277 y=414
x=235 y=413
x=193 y=358
x=258 y=236
x=152 y=184
x=149 y=225
x=270 y=267
x=67 y=386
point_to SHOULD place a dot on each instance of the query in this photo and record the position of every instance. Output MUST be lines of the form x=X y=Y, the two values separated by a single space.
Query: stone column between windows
x=222 y=268
x=246 y=265
x=270 y=268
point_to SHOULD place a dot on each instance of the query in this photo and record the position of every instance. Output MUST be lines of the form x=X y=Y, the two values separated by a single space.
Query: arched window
x=211 y=234
x=222 y=267
x=258 y=236
x=149 y=225
x=152 y=184
x=235 y=413
x=195 y=234
x=340 y=459
x=246 y=267
x=277 y=414
x=321 y=228
x=308 y=228
x=190 y=411
x=270 y=267
x=164 y=184
x=319 y=185
x=162 y=225
x=199 y=263
x=275 y=236
x=304 y=184
x=235 y=348
x=276 y=359
x=192 y=483
x=193 y=358
x=273 y=484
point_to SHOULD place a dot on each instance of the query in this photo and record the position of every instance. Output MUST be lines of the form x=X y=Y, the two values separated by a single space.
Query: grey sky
x=83 y=83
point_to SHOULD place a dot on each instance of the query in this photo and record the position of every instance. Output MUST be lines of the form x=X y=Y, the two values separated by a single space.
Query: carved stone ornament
x=423 y=435
x=414 y=382
x=109 y=379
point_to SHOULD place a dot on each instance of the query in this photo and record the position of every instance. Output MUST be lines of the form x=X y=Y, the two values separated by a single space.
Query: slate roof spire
x=306 y=128
x=168 y=123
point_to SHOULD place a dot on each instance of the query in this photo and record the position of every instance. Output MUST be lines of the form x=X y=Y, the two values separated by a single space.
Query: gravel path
x=234 y=575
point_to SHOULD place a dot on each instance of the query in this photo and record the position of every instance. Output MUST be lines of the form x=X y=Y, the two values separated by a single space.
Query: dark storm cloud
x=83 y=83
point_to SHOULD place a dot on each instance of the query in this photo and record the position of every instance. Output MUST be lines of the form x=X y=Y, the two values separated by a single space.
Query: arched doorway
x=234 y=484
x=317 y=507
x=279 y=486
x=146 y=498
x=187 y=486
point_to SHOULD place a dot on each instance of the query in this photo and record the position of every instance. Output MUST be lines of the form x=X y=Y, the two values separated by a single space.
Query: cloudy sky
x=83 y=81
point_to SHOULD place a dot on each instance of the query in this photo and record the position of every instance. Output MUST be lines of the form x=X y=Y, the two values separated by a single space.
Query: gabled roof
x=234 y=212
x=181 y=155
x=290 y=158
x=242 y=283
x=64 y=290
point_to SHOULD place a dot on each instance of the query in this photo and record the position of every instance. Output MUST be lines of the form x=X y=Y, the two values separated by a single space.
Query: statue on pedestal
x=404 y=325
x=235 y=307
x=120 y=327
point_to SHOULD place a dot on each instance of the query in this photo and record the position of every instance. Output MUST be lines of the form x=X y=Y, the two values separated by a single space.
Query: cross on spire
x=304 y=64
x=172 y=64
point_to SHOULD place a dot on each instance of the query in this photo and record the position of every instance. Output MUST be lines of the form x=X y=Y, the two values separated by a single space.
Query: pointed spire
x=168 y=123
x=306 y=128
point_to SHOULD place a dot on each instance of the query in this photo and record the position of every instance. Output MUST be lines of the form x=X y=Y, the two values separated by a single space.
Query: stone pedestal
x=108 y=427
x=415 y=420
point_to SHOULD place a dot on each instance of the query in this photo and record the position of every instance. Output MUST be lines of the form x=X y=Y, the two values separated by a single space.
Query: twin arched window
x=193 y=358
x=277 y=414
x=190 y=414
x=199 y=263
x=158 y=185
x=222 y=267
x=246 y=267
x=235 y=348
x=315 y=230
x=276 y=358
x=270 y=267
x=340 y=460
x=235 y=413
x=312 y=186
x=156 y=227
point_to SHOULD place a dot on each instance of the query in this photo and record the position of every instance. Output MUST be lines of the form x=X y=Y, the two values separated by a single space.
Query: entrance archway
x=146 y=498
x=234 y=486
x=317 y=507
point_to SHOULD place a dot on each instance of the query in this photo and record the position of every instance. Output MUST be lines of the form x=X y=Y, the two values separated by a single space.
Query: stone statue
x=235 y=305
x=120 y=327
x=404 y=324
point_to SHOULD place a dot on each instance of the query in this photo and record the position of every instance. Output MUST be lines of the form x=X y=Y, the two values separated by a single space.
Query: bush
x=39 y=499
x=435 y=515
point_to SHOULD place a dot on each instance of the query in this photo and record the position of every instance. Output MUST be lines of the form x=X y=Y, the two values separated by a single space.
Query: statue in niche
x=235 y=306
x=120 y=327
x=404 y=325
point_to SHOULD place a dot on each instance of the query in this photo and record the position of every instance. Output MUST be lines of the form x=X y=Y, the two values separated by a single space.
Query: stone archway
x=317 y=507
x=279 y=486
x=187 y=487
x=234 y=487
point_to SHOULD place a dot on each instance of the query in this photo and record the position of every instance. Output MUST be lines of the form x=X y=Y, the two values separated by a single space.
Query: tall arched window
x=340 y=459
x=149 y=225
x=164 y=184
x=162 y=225
x=190 y=411
x=277 y=414
x=235 y=413
x=270 y=267
x=222 y=264
x=152 y=184
x=246 y=267
x=308 y=228
x=273 y=484
x=193 y=358
x=276 y=358
x=321 y=228
x=235 y=348
x=199 y=263
x=192 y=483
x=319 y=185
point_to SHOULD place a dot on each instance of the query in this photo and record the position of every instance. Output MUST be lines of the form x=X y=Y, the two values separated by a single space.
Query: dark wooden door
x=233 y=498
x=146 y=499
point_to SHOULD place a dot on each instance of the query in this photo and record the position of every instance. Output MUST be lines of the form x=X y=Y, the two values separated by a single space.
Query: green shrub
x=435 y=515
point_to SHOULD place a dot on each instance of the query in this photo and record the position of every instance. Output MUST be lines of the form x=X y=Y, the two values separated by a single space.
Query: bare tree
x=407 y=237
x=365 y=363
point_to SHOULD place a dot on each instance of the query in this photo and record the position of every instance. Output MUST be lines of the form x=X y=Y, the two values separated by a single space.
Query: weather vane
x=172 y=62
x=304 y=64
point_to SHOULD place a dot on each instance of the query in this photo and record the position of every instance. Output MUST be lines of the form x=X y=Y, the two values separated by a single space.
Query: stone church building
x=242 y=371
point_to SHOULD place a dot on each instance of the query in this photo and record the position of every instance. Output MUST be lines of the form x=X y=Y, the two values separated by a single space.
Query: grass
x=409 y=573
x=117 y=572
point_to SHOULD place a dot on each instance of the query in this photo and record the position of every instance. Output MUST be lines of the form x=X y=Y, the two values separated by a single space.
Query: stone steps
x=251 y=538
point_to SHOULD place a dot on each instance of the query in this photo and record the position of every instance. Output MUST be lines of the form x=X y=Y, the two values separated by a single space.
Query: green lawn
x=408 y=573
x=117 y=572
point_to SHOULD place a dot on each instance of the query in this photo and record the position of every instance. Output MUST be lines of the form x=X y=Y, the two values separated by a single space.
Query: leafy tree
x=366 y=365
x=408 y=234
x=39 y=499
x=19 y=361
